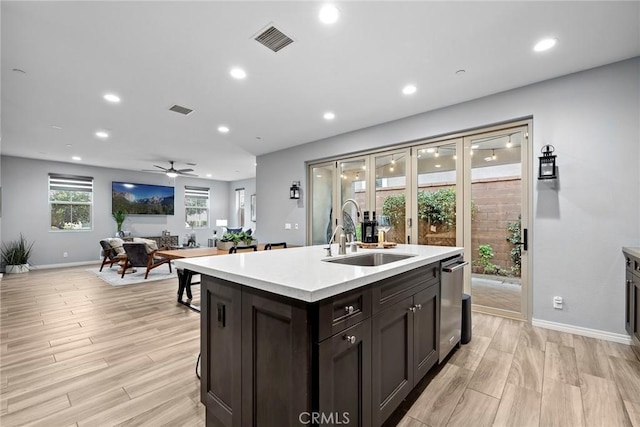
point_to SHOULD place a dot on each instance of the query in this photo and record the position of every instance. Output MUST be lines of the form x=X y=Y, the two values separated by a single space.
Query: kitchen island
x=288 y=338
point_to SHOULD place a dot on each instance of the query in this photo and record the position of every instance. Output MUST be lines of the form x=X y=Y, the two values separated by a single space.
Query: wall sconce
x=547 y=168
x=294 y=191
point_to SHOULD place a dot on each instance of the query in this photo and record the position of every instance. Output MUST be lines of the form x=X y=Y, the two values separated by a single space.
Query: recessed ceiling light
x=238 y=73
x=56 y=127
x=102 y=134
x=329 y=14
x=208 y=175
x=475 y=146
x=545 y=44
x=409 y=89
x=438 y=166
x=431 y=150
x=112 y=98
x=223 y=129
x=329 y=116
x=77 y=158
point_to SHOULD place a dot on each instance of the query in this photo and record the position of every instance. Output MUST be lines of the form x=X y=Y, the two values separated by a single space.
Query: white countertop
x=632 y=251
x=300 y=272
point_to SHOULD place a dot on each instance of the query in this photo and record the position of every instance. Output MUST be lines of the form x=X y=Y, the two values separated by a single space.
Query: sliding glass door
x=470 y=190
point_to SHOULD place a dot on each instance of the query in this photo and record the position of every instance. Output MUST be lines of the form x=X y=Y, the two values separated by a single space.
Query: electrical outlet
x=557 y=303
x=287 y=226
x=295 y=226
x=65 y=254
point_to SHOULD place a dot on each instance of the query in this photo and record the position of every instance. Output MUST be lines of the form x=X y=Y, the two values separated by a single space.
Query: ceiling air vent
x=180 y=109
x=273 y=38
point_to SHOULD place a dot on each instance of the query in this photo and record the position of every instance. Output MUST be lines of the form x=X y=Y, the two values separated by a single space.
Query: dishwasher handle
x=454 y=267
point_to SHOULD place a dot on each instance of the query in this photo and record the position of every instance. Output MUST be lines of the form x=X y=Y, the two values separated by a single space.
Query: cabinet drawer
x=389 y=291
x=342 y=311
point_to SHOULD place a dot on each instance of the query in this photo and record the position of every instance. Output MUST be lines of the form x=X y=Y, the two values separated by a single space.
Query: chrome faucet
x=342 y=249
x=341 y=246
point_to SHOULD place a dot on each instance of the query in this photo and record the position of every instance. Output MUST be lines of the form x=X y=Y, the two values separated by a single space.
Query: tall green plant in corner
x=15 y=255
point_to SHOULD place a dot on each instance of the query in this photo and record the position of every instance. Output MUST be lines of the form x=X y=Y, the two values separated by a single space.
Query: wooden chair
x=281 y=245
x=249 y=248
x=137 y=256
x=110 y=255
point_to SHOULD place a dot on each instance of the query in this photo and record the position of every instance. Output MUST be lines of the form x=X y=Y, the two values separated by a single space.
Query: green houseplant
x=233 y=239
x=15 y=255
x=119 y=218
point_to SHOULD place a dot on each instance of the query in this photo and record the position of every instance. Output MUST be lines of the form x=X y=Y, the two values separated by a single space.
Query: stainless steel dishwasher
x=451 y=283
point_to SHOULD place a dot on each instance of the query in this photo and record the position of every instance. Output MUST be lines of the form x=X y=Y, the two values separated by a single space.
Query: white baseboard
x=66 y=264
x=586 y=332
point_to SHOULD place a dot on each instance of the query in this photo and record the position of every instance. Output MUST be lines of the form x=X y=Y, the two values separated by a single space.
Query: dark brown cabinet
x=632 y=299
x=350 y=359
x=404 y=348
x=344 y=376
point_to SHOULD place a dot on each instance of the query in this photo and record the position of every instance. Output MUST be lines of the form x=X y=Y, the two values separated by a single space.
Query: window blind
x=59 y=182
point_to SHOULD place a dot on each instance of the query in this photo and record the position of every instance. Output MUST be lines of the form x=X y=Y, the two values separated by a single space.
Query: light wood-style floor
x=75 y=351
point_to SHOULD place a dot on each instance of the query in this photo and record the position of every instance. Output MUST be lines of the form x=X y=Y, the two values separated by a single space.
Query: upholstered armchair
x=112 y=252
x=141 y=255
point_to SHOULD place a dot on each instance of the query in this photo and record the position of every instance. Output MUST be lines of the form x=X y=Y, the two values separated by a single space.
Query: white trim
x=586 y=332
x=66 y=264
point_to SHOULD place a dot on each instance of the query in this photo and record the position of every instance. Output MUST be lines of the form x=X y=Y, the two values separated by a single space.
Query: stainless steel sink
x=370 y=259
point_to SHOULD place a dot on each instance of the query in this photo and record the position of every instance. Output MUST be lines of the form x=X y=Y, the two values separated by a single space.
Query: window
x=70 y=202
x=196 y=204
x=240 y=206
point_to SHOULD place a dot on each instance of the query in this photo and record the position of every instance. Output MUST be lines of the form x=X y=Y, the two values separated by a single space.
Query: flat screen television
x=142 y=199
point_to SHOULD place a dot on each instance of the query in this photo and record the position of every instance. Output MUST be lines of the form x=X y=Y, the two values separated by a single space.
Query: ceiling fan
x=171 y=172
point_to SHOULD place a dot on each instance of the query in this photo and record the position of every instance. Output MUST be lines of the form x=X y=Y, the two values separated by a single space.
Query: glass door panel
x=391 y=180
x=436 y=194
x=353 y=179
x=321 y=178
x=498 y=211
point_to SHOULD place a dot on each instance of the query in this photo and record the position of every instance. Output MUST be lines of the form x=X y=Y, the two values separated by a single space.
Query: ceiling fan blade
x=187 y=174
x=185 y=170
x=152 y=170
x=160 y=167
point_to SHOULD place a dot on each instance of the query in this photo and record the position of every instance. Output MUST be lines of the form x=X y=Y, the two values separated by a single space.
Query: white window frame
x=60 y=182
x=196 y=193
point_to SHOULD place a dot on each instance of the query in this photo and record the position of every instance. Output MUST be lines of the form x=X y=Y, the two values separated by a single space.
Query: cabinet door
x=635 y=314
x=220 y=347
x=276 y=361
x=426 y=328
x=391 y=358
x=629 y=317
x=344 y=377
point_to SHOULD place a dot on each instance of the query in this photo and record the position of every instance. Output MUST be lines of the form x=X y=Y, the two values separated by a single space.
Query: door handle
x=525 y=239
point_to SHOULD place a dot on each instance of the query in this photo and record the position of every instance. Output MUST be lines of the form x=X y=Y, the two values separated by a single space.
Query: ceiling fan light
x=172 y=174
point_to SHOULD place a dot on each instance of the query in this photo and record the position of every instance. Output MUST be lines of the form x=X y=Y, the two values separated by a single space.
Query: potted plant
x=229 y=240
x=15 y=255
x=119 y=217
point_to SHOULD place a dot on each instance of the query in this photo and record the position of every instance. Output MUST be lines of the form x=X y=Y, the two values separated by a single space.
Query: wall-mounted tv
x=142 y=199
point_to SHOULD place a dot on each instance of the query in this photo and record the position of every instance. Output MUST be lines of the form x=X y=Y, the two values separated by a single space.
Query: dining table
x=185 y=276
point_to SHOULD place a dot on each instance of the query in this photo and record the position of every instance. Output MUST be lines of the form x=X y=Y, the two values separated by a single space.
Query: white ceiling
x=156 y=54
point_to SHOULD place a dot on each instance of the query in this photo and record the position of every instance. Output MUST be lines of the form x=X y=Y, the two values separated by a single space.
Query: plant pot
x=224 y=246
x=16 y=269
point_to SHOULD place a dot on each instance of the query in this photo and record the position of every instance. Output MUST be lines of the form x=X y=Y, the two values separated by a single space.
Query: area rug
x=112 y=277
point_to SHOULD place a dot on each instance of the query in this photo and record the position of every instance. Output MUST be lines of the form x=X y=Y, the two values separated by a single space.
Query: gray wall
x=592 y=118
x=26 y=210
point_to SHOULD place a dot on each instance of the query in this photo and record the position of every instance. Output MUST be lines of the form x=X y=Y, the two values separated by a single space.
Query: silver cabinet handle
x=412 y=309
x=350 y=339
x=349 y=309
x=419 y=306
